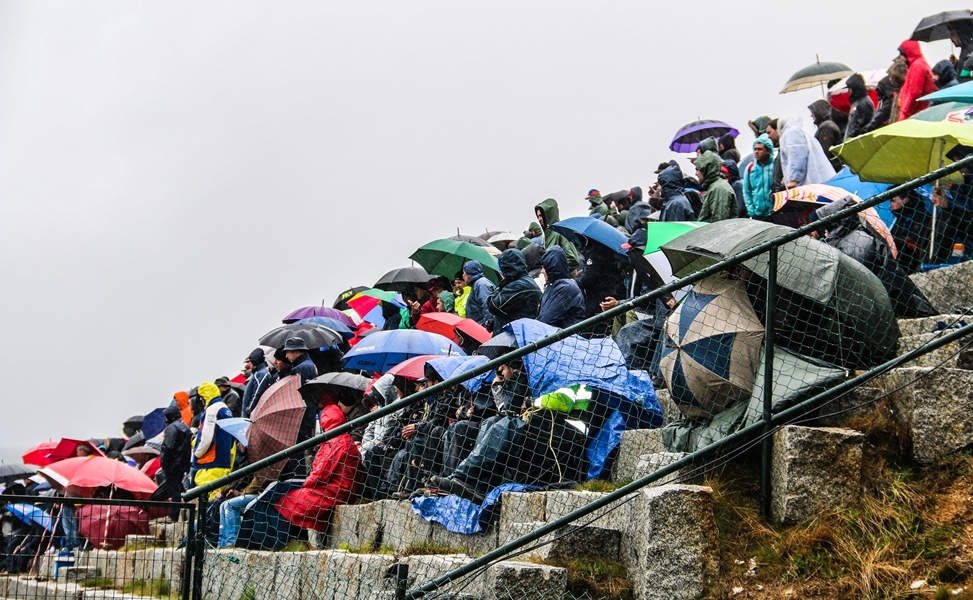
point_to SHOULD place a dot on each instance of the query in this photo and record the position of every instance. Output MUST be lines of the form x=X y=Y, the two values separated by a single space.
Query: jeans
x=69 y=522
x=231 y=515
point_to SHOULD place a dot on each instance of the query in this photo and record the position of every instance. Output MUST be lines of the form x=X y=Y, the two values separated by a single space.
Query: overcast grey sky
x=175 y=177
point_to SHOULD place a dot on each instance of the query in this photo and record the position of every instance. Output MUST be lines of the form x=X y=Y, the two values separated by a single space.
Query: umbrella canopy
x=141 y=451
x=403 y=280
x=472 y=329
x=10 y=473
x=904 y=150
x=579 y=229
x=68 y=447
x=936 y=27
x=498 y=345
x=31 y=515
x=134 y=421
x=711 y=346
x=957 y=93
x=447 y=257
x=237 y=427
x=332 y=324
x=86 y=473
x=502 y=239
x=383 y=350
x=341 y=302
x=275 y=423
x=154 y=423
x=413 y=368
x=847 y=180
x=315 y=336
x=836 y=310
x=689 y=136
x=659 y=233
x=953 y=112
x=39 y=455
x=106 y=527
x=151 y=467
x=471 y=239
x=794 y=205
x=317 y=311
x=338 y=382
x=439 y=322
x=812 y=75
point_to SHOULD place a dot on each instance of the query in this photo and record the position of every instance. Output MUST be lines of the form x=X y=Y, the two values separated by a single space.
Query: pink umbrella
x=84 y=474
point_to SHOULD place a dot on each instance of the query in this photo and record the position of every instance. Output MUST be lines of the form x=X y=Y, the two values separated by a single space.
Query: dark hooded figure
x=174 y=455
x=961 y=34
x=828 y=133
x=639 y=212
x=886 y=89
x=732 y=174
x=533 y=254
x=562 y=304
x=676 y=206
x=728 y=148
x=862 y=110
x=518 y=297
x=601 y=278
x=944 y=74
x=548 y=214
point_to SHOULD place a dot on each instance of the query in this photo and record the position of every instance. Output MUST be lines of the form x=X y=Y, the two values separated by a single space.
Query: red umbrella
x=413 y=368
x=150 y=468
x=39 y=454
x=86 y=473
x=239 y=378
x=67 y=448
x=471 y=328
x=107 y=526
x=275 y=423
x=439 y=322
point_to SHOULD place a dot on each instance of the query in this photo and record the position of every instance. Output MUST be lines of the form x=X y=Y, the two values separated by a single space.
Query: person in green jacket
x=548 y=214
x=719 y=200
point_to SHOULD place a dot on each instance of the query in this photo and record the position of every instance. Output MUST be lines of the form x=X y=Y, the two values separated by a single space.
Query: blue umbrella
x=153 y=424
x=474 y=384
x=847 y=180
x=381 y=351
x=333 y=324
x=957 y=93
x=574 y=228
x=30 y=514
x=237 y=427
x=447 y=366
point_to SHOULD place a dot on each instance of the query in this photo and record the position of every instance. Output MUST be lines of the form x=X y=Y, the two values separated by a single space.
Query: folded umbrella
x=275 y=423
x=106 y=527
x=317 y=311
x=447 y=257
x=315 y=336
x=40 y=454
x=596 y=230
x=85 y=474
x=30 y=514
x=403 y=280
x=12 y=472
x=936 y=27
x=385 y=349
x=689 y=136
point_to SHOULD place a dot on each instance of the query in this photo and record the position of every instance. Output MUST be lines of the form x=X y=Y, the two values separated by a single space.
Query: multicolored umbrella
x=689 y=136
x=275 y=423
x=447 y=257
x=315 y=336
x=40 y=454
x=403 y=280
x=711 y=348
x=590 y=228
x=383 y=350
x=85 y=474
x=107 y=527
x=816 y=74
x=936 y=27
x=341 y=302
x=317 y=311
x=953 y=112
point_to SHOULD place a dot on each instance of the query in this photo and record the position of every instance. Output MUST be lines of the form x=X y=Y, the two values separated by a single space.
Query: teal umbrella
x=447 y=257
x=957 y=93
x=956 y=112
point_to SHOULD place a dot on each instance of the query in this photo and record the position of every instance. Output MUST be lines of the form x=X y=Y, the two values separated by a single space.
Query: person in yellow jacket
x=461 y=291
x=214 y=450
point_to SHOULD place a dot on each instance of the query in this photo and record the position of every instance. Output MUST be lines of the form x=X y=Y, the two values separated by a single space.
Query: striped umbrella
x=275 y=423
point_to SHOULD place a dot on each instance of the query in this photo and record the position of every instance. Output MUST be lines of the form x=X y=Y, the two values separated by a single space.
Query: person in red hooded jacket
x=333 y=477
x=919 y=80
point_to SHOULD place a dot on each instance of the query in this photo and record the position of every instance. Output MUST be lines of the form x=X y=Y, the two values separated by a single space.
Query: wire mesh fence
x=75 y=547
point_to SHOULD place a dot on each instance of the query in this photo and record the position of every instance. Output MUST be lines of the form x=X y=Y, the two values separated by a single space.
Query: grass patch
x=595 y=578
x=158 y=588
x=102 y=583
x=596 y=485
x=423 y=548
x=371 y=548
x=248 y=594
x=296 y=546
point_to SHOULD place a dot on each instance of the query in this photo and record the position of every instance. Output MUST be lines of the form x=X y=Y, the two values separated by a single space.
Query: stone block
x=510 y=579
x=857 y=403
x=289 y=582
x=313 y=580
x=225 y=573
x=949 y=289
x=155 y=564
x=572 y=542
x=650 y=463
x=470 y=544
x=635 y=443
x=403 y=527
x=671 y=548
x=261 y=569
x=519 y=507
x=112 y=564
x=814 y=469
x=950 y=355
x=910 y=327
x=374 y=580
x=141 y=542
x=69 y=574
x=617 y=515
x=423 y=569
x=939 y=413
x=358 y=525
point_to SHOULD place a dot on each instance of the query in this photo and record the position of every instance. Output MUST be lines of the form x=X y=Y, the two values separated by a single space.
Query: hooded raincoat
x=549 y=210
x=332 y=480
x=476 y=299
x=719 y=200
x=862 y=110
x=944 y=74
x=918 y=81
x=675 y=205
x=562 y=304
x=758 y=182
x=214 y=450
x=801 y=157
x=518 y=296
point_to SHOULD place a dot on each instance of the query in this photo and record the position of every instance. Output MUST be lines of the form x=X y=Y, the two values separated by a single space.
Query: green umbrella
x=818 y=73
x=447 y=257
x=663 y=232
x=831 y=307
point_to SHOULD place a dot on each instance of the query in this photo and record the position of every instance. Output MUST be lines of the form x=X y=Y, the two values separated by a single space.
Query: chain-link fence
x=72 y=547
x=533 y=467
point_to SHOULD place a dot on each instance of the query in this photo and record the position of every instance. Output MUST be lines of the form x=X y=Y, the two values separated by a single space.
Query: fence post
x=189 y=561
x=401 y=580
x=199 y=541
x=768 y=383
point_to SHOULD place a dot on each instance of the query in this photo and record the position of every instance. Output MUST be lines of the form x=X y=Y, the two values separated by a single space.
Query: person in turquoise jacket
x=758 y=178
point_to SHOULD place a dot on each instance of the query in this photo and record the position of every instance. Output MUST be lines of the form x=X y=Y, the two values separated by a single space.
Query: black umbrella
x=134 y=442
x=13 y=472
x=356 y=384
x=315 y=336
x=135 y=421
x=498 y=345
x=936 y=27
x=471 y=239
x=403 y=280
x=341 y=302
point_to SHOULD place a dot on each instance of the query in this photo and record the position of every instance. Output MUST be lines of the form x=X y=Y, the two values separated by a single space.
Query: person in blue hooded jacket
x=518 y=297
x=562 y=303
x=758 y=179
x=481 y=288
x=675 y=205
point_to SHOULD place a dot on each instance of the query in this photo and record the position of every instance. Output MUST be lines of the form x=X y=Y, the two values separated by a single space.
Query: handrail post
x=200 y=546
x=190 y=558
x=768 y=383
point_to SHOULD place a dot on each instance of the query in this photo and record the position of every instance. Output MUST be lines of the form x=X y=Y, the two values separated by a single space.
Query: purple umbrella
x=318 y=311
x=689 y=136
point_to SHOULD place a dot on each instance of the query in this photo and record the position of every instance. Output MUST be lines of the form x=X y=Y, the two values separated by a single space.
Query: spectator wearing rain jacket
x=461 y=293
x=944 y=74
x=258 y=383
x=676 y=206
x=214 y=450
x=174 y=455
x=862 y=110
x=547 y=215
x=731 y=171
x=828 y=133
x=802 y=159
x=481 y=288
x=728 y=148
x=719 y=201
x=758 y=179
x=919 y=80
x=961 y=34
x=562 y=303
x=518 y=296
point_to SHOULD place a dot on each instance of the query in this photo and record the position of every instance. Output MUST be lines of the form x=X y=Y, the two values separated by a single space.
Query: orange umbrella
x=84 y=474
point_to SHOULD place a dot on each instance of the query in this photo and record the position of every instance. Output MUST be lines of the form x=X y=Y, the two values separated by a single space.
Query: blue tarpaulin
x=460 y=515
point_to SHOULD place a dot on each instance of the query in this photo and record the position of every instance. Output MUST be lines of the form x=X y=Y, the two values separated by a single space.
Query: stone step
x=574 y=543
x=949 y=289
x=910 y=327
x=12 y=586
x=951 y=355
